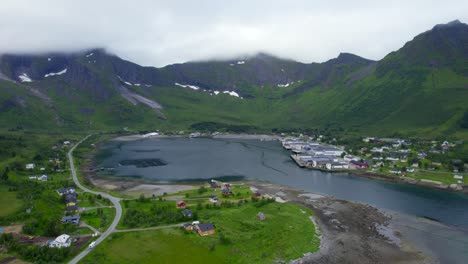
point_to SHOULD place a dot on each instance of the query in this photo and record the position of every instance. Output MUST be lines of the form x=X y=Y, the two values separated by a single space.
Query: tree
x=202 y=189
x=5 y=174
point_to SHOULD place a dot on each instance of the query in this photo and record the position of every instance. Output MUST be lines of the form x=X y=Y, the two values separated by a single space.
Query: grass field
x=444 y=177
x=8 y=202
x=239 y=191
x=99 y=219
x=286 y=234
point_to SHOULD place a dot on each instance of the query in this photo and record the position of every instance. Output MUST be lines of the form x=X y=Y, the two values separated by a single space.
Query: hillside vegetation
x=419 y=90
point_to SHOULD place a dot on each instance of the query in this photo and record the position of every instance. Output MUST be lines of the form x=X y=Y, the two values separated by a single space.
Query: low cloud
x=158 y=33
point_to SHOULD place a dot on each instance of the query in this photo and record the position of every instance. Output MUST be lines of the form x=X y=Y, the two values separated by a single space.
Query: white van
x=92 y=245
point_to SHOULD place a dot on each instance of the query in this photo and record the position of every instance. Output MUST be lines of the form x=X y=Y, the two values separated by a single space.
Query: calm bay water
x=196 y=159
x=203 y=159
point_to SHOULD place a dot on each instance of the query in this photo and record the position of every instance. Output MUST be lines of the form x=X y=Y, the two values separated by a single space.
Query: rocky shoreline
x=350 y=232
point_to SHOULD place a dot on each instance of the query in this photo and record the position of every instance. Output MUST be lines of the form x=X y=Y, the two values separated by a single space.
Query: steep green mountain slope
x=420 y=89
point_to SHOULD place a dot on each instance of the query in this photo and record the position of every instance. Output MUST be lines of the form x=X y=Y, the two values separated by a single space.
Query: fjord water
x=204 y=159
x=235 y=159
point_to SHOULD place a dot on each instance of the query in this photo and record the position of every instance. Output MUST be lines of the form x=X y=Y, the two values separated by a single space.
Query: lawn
x=99 y=218
x=240 y=191
x=8 y=202
x=287 y=233
x=444 y=177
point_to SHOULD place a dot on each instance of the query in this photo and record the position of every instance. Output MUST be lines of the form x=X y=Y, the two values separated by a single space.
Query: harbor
x=318 y=156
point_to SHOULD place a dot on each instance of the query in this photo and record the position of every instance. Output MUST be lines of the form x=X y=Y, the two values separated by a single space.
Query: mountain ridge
x=261 y=90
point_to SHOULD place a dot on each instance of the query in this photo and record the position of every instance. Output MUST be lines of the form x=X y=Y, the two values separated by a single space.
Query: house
x=71 y=198
x=336 y=166
x=71 y=219
x=181 y=204
x=32 y=177
x=66 y=142
x=358 y=165
x=30 y=166
x=187 y=226
x=214 y=185
x=68 y=190
x=213 y=199
x=71 y=204
x=73 y=208
x=458 y=177
x=61 y=241
x=205 y=229
x=410 y=170
x=226 y=191
x=42 y=178
x=261 y=216
x=187 y=213
x=257 y=194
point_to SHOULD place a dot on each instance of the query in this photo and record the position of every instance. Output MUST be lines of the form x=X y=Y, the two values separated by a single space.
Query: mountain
x=420 y=88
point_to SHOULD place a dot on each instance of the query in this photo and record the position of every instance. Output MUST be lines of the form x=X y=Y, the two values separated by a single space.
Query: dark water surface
x=194 y=159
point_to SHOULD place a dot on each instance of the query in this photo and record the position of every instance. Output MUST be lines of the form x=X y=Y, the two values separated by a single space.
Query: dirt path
x=146 y=228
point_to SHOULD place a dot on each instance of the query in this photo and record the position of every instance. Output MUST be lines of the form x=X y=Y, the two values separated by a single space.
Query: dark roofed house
x=187 y=213
x=205 y=229
x=73 y=208
x=261 y=216
x=71 y=219
x=70 y=198
x=214 y=185
x=226 y=191
x=68 y=190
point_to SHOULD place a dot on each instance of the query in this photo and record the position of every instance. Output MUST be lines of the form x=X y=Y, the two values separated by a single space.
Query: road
x=114 y=200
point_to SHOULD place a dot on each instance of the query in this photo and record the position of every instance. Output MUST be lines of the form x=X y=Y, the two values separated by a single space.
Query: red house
x=181 y=204
x=358 y=164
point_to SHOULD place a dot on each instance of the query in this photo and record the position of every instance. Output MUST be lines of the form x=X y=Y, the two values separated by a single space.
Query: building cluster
x=319 y=156
x=70 y=198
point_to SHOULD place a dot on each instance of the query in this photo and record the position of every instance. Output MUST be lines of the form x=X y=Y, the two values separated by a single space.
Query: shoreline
x=219 y=136
x=412 y=253
x=348 y=230
x=358 y=173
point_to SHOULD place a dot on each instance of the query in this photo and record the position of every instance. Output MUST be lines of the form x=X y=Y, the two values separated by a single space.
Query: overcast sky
x=158 y=33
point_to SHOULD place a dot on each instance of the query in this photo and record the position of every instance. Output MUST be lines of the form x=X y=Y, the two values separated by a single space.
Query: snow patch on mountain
x=89 y=55
x=56 y=73
x=231 y=93
x=122 y=80
x=285 y=85
x=24 y=78
x=188 y=86
x=241 y=62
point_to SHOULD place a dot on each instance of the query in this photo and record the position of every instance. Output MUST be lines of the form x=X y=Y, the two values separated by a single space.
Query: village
x=417 y=162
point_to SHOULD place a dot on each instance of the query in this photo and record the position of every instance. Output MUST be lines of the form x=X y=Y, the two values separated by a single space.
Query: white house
x=61 y=241
x=30 y=166
x=42 y=178
x=458 y=177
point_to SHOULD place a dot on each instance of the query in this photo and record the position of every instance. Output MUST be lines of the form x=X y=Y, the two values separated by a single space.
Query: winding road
x=115 y=201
